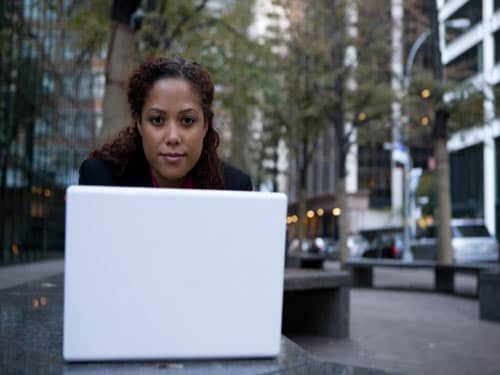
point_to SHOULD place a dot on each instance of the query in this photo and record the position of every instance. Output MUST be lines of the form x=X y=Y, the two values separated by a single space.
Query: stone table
x=31 y=321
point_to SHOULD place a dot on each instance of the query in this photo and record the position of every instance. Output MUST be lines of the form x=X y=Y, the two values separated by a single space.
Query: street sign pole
x=401 y=154
x=407 y=212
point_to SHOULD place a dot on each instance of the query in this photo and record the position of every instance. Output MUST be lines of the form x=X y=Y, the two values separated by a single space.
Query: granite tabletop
x=31 y=321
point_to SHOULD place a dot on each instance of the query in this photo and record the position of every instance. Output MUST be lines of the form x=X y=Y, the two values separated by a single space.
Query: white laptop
x=172 y=274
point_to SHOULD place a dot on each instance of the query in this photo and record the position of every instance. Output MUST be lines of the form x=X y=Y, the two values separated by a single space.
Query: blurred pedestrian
x=171 y=141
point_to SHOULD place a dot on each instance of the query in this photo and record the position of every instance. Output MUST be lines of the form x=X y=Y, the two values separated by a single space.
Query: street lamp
x=458 y=23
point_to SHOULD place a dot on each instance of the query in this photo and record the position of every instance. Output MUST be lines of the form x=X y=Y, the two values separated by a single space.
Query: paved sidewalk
x=24 y=272
x=414 y=331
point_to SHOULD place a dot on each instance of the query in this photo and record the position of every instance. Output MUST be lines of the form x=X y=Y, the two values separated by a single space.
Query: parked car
x=385 y=245
x=293 y=247
x=329 y=247
x=318 y=245
x=471 y=242
x=357 y=245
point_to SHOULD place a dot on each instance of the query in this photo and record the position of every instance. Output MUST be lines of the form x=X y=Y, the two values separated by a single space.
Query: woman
x=172 y=141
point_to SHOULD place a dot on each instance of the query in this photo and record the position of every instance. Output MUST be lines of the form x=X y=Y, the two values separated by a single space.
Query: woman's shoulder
x=95 y=171
x=235 y=179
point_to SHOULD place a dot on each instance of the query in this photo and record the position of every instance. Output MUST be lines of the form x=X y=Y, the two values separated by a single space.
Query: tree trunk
x=303 y=162
x=344 y=224
x=301 y=213
x=444 y=249
x=440 y=135
x=115 y=111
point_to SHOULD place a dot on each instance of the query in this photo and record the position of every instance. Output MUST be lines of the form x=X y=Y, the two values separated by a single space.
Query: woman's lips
x=171 y=157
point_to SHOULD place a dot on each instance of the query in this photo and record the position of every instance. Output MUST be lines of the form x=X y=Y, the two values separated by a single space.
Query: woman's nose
x=173 y=135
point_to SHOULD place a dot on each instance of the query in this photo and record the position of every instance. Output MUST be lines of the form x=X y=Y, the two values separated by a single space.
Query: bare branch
x=178 y=28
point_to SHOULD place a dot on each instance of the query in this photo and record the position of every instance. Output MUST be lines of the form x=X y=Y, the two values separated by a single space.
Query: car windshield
x=470 y=231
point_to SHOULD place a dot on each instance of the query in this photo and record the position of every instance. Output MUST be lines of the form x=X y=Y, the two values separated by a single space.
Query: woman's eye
x=156 y=120
x=187 y=121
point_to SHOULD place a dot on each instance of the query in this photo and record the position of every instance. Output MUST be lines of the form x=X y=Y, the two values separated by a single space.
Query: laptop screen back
x=170 y=273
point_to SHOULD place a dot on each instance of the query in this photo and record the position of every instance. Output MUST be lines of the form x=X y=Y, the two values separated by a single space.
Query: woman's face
x=172 y=127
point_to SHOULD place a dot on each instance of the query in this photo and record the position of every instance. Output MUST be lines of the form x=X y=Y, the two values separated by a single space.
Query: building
x=374 y=182
x=475 y=153
x=48 y=123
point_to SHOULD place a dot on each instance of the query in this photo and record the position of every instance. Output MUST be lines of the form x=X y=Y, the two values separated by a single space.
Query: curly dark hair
x=126 y=150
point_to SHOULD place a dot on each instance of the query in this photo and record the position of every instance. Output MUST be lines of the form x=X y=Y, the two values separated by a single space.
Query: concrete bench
x=316 y=302
x=489 y=295
x=362 y=271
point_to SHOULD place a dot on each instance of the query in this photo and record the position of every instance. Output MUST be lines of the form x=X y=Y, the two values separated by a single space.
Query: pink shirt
x=188 y=184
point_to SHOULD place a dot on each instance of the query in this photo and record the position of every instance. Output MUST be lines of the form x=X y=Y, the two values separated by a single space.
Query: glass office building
x=48 y=117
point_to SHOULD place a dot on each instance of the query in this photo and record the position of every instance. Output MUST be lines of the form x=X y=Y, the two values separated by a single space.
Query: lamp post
x=459 y=23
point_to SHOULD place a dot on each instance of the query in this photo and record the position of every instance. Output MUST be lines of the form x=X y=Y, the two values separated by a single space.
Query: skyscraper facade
x=49 y=99
x=475 y=152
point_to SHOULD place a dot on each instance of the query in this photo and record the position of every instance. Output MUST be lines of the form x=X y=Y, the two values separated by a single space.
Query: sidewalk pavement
x=402 y=326
x=12 y=275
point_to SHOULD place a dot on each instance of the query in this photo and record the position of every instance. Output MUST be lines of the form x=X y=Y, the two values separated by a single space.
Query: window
x=42 y=129
x=467 y=64
x=470 y=231
x=49 y=47
x=66 y=122
x=98 y=86
x=85 y=87
x=497 y=45
x=84 y=126
x=68 y=86
x=68 y=51
x=471 y=10
x=496 y=94
x=48 y=83
x=467 y=182
x=374 y=174
x=497 y=183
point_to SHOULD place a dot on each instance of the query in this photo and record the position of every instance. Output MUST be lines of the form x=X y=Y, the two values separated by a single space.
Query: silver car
x=471 y=242
x=357 y=245
x=323 y=245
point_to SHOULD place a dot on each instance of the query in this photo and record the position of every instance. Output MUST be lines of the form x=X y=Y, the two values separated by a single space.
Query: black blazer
x=97 y=172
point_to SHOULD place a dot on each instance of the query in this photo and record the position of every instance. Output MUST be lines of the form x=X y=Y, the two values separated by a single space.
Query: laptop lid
x=172 y=273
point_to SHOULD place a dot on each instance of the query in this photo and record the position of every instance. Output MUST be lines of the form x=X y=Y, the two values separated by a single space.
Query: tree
x=360 y=111
x=299 y=97
x=119 y=63
x=218 y=38
x=335 y=75
x=450 y=104
x=213 y=33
